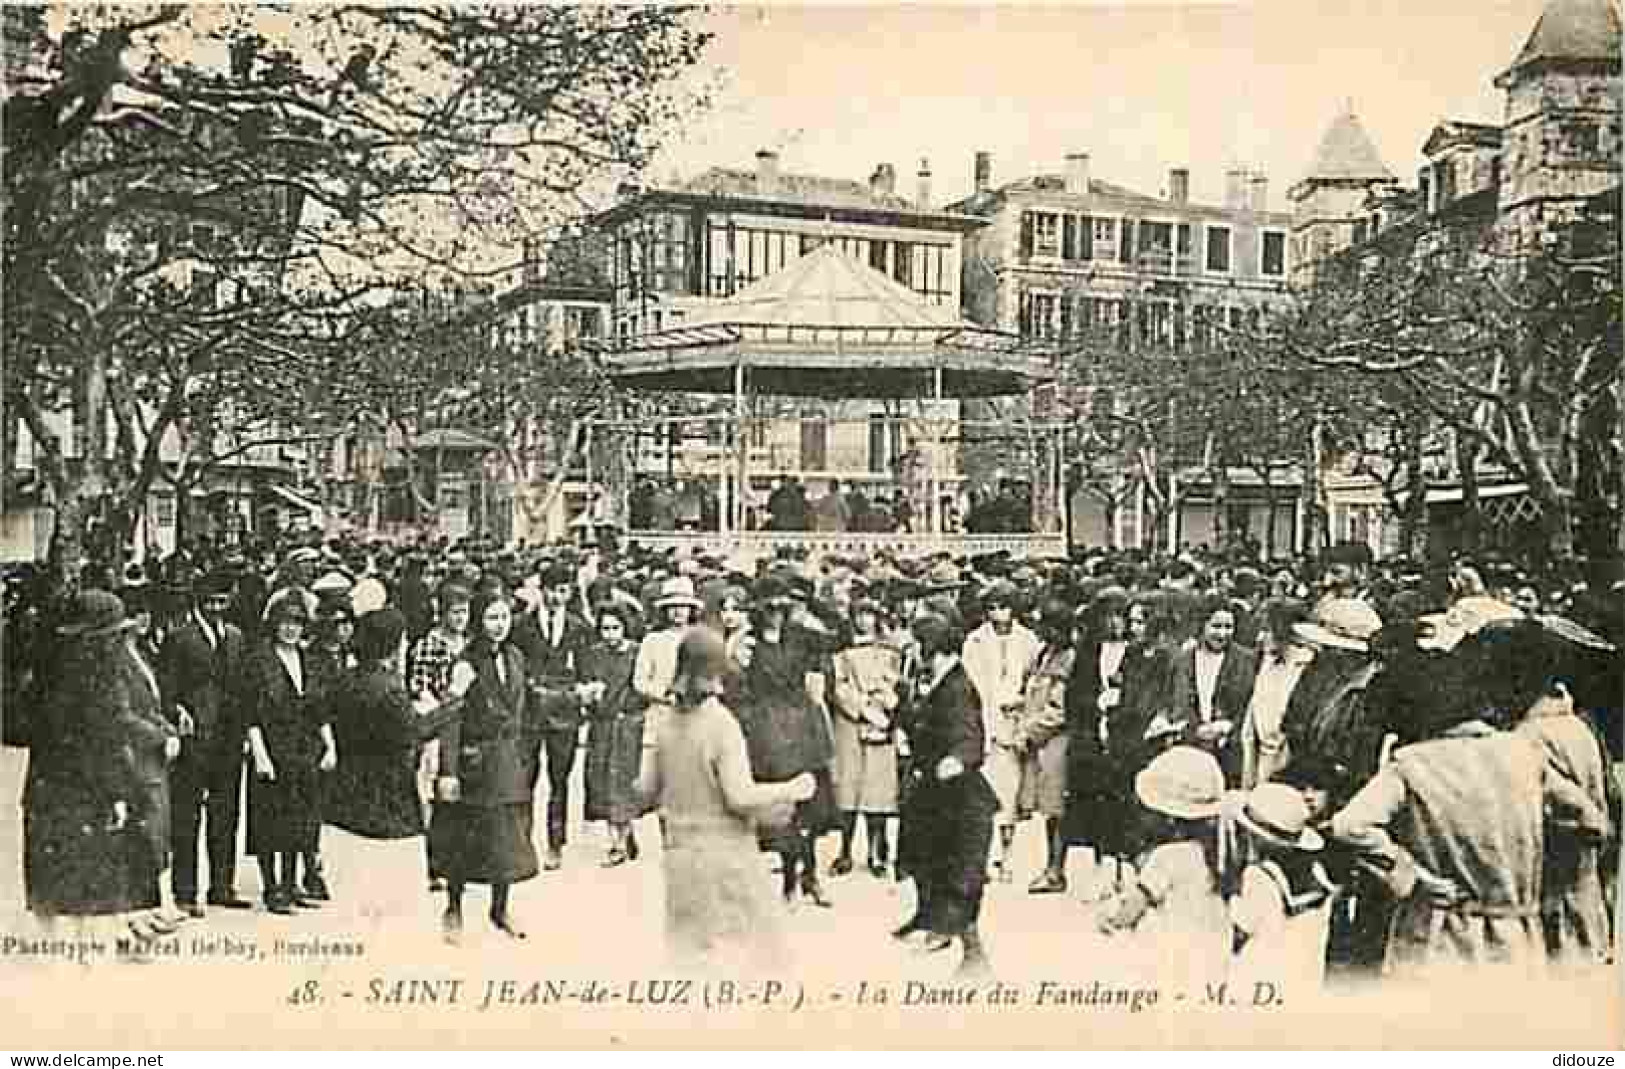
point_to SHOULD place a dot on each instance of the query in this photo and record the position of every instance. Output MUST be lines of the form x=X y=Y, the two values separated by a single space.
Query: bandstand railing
x=760 y=544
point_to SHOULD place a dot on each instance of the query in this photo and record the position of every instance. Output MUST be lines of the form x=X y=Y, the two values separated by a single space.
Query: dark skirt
x=614 y=752
x=943 y=844
x=814 y=817
x=76 y=867
x=482 y=843
x=285 y=814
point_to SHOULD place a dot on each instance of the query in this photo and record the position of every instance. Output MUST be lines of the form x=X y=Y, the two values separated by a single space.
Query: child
x=1282 y=909
x=1174 y=908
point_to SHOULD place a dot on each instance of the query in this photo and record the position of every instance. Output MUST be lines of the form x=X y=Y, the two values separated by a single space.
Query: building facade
x=1067 y=256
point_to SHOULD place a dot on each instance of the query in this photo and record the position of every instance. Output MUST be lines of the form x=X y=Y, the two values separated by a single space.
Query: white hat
x=678 y=590
x=1466 y=617
x=1278 y=814
x=1341 y=623
x=1182 y=782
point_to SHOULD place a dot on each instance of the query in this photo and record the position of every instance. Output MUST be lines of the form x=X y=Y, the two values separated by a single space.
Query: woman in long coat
x=1043 y=740
x=867 y=676
x=291 y=746
x=615 y=732
x=787 y=734
x=429 y=678
x=719 y=914
x=154 y=744
x=379 y=731
x=484 y=807
x=948 y=810
x=81 y=791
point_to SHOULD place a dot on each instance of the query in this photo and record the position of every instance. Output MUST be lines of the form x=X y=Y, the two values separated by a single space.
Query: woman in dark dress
x=615 y=735
x=948 y=807
x=484 y=807
x=81 y=796
x=787 y=734
x=332 y=666
x=1094 y=693
x=154 y=744
x=292 y=748
x=378 y=730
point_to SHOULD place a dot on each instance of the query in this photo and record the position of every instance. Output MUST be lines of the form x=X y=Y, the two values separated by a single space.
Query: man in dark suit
x=552 y=639
x=199 y=671
x=1210 y=685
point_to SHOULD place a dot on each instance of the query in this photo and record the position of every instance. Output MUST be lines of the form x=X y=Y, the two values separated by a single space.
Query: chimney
x=1235 y=188
x=883 y=183
x=983 y=173
x=922 y=194
x=1179 y=185
x=767 y=172
x=1077 y=173
x=1258 y=193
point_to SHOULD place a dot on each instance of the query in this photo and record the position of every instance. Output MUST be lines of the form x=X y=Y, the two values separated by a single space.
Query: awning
x=1444 y=494
x=302 y=503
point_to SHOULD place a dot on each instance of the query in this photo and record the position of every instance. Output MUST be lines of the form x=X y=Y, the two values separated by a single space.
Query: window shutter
x=1125 y=251
x=1024 y=316
x=1066 y=310
x=1026 y=235
x=1069 y=237
x=1086 y=244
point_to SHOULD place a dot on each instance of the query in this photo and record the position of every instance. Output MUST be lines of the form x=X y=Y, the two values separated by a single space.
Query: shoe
x=935 y=942
x=814 y=893
x=553 y=861
x=1049 y=882
x=974 y=967
x=616 y=857
x=842 y=866
x=437 y=885
x=229 y=900
x=316 y=888
x=143 y=931
x=632 y=850
x=282 y=907
x=305 y=901
x=162 y=925
x=505 y=924
x=451 y=928
x=877 y=869
x=908 y=928
x=192 y=910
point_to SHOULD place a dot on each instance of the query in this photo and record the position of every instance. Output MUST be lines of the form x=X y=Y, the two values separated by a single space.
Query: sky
x=1141 y=87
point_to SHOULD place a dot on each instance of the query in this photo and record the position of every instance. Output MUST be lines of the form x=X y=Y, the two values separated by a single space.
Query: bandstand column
x=934 y=505
x=741 y=452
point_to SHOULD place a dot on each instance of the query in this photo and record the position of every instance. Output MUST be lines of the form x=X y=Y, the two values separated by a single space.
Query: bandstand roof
x=828 y=325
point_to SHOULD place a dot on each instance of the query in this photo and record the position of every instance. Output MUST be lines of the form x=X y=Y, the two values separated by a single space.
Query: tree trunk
x=1470 y=534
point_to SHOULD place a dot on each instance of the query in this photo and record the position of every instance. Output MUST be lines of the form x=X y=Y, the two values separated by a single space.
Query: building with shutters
x=1068 y=255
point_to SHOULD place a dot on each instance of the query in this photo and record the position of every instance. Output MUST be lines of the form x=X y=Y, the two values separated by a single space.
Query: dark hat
x=378 y=634
x=558 y=574
x=93 y=613
x=937 y=632
x=769 y=589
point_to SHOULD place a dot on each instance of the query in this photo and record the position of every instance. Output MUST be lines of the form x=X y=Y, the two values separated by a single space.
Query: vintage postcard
x=1082 y=525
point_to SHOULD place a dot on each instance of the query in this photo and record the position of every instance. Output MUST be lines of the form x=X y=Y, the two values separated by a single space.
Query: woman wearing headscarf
x=948 y=810
x=378 y=732
x=291 y=746
x=787 y=733
x=615 y=730
x=82 y=799
x=718 y=911
x=484 y=807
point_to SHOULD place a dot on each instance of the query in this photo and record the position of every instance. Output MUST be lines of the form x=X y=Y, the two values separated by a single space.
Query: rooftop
x=1347 y=153
x=811 y=190
x=1570 y=30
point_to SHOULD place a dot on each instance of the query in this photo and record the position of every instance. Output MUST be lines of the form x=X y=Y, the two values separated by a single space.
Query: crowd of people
x=1321 y=768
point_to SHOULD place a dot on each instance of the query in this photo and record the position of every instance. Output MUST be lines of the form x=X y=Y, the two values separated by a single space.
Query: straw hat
x=1466 y=617
x=1182 y=782
x=1341 y=623
x=678 y=590
x=1278 y=815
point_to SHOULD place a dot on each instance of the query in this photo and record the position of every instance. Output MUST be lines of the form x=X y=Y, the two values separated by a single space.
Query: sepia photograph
x=1085 y=525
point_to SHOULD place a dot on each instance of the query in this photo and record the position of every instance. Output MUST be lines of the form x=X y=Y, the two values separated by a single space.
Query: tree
x=278 y=167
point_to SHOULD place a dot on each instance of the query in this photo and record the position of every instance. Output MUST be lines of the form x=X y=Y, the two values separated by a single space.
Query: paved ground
x=597 y=932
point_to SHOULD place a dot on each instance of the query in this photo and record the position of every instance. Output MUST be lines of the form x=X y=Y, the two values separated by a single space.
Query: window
x=1274 y=253
x=1103 y=235
x=1046 y=234
x=1580 y=140
x=1125 y=250
x=1156 y=246
x=1038 y=315
x=1218 y=248
x=902 y=262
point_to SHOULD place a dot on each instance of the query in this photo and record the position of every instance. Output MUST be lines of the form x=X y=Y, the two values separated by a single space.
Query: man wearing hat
x=200 y=669
x=552 y=638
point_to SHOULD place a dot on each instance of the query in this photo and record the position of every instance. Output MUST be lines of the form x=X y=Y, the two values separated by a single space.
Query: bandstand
x=828 y=328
